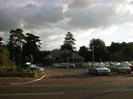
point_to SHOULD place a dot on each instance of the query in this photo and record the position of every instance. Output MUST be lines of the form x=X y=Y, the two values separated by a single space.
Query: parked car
x=31 y=66
x=82 y=65
x=112 y=64
x=121 y=69
x=64 y=65
x=35 y=67
x=107 y=64
x=56 y=65
x=127 y=64
x=99 y=69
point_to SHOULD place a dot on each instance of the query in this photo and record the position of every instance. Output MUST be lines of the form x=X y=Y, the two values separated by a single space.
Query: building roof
x=63 y=53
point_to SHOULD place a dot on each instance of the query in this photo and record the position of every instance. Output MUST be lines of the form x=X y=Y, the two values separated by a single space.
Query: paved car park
x=70 y=83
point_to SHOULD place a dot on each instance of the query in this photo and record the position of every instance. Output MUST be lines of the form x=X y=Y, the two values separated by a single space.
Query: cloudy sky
x=109 y=20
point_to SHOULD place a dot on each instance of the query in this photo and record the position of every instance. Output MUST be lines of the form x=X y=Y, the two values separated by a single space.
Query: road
x=69 y=84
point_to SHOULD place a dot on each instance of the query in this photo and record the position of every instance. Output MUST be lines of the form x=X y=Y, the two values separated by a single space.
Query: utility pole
x=73 y=57
x=93 y=53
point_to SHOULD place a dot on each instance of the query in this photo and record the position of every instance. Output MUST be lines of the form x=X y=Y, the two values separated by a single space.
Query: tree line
x=98 y=51
x=20 y=47
x=23 y=47
x=115 y=52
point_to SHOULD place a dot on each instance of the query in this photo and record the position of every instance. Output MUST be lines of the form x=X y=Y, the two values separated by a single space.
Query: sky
x=109 y=20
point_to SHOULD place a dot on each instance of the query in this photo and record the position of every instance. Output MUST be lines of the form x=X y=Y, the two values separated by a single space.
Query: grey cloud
x=79 y=3
x=88 y=3
x=38 y=17
x=49 y=13
x=90 y=18
x=97 y=15
x=30 y=16
x=47 y=19
x=7 y=20
x=131 y=2
x=42 y=16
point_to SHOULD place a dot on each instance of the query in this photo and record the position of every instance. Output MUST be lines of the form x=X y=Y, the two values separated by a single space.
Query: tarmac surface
x=68 y=84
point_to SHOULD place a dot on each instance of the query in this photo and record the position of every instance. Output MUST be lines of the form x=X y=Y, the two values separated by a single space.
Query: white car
x=99 y=69
x=35 y=67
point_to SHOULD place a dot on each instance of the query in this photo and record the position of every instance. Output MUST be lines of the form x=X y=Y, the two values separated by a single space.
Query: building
x=63 y=56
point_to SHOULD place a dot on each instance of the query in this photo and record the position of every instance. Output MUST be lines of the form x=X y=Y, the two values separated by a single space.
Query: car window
x=100 y=66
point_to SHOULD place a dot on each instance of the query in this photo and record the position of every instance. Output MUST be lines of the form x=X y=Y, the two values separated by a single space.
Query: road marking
x=32 y=86
x=32 y=94
x=29 y=81
x=119 y=90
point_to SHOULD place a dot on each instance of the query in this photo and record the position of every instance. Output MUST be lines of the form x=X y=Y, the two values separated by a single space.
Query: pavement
x=68 y=83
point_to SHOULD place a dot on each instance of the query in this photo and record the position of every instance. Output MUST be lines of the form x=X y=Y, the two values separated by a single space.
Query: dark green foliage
x=69 y=42
x=1 y=39
x=128 y=51
x=6 y=65
x=4 y=57
x=84 y=52
x=23 y=47
x=16 y=41
x=40 y=55
x=99 y=48
x=31 y=47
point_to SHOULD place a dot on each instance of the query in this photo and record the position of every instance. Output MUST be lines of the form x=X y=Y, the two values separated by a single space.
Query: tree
x=40 y=55
x=84 y=52
x=128 y=52
x=4 y=57
x=16 y=41
x=116 y=52
x=98 y=47
x=69 y=42
x=16 y=37
x=115 y=47
x=4 y=54
x=1 y=39
x=31 y=47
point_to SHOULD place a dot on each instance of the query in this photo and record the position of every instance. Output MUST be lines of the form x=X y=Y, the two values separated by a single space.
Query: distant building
x=63 y=56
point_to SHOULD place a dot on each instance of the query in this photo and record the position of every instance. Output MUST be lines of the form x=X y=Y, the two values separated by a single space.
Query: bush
x=6 y=65
x=30 y=72
x=7 y=69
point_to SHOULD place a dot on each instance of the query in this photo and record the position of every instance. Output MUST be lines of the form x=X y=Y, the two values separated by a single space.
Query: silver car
x=99 y=69
x=121 y=69
x=64 y=65
x=35 y=67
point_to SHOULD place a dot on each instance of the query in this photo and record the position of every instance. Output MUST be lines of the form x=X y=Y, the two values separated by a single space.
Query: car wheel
x=96 y=72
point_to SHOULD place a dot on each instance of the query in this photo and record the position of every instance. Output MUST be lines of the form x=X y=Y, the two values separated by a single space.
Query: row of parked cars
x=101 y=68
x=107 y=68
x=64 y=65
